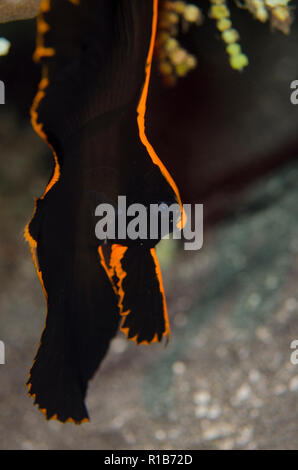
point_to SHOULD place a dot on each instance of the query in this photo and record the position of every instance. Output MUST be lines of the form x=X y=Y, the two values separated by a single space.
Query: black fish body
x=90 y=109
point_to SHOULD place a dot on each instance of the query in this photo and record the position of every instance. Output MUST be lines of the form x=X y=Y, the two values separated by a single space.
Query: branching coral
x=220 y=12
x=276 y=11
x=177 y=16
x=174 y=60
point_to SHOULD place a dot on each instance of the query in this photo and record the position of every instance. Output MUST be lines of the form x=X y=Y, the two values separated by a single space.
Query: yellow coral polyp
x=192 y=14
x=182 y=70
x=191 y=61
x=174 y=60
x=178 y=56
x=179 y=7
x=171 y=44
x=223 y=24
x=281 y=19
x=173 y=18
x=281 y=13
x=277 y=11
x=230 y=36
x=262 y=15
x=276 y=3
x=238 y=61
x=175 y=15
x=233 y=49
x=219 y=11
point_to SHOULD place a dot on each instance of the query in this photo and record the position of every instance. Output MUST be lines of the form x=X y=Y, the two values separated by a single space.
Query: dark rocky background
x=225 y=381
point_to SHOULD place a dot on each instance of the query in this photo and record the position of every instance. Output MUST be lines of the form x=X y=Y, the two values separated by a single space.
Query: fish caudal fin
x=82 y=319
x=136 y=278
x=54 y=380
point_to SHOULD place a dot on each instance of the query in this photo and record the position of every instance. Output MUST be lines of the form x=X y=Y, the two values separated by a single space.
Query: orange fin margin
x=117 y=274
x=42 y=51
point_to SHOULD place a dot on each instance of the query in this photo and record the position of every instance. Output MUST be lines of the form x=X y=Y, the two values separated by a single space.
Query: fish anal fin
x=135 y=275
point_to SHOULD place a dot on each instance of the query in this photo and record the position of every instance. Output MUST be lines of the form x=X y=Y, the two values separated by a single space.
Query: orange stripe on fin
x=42 y=28
x=141 y=111
x=114 y=270
x=118 y=251
x=135 y=338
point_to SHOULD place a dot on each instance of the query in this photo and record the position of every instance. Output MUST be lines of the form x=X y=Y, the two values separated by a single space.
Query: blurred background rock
x=11 y=10
x=225 y=381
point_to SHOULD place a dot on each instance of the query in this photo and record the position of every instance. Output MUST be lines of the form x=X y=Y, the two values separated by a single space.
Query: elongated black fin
x=93 y=57
x=82 y=318
x=136 y=278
